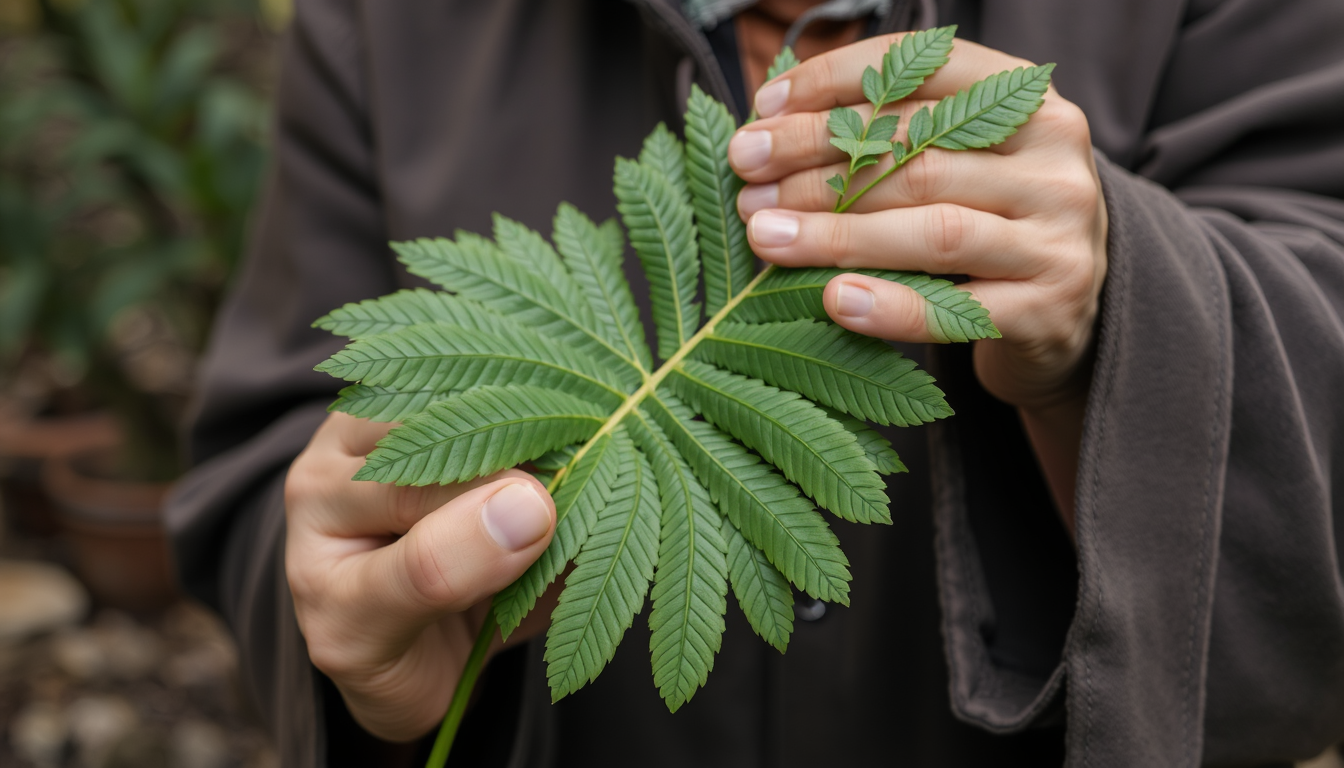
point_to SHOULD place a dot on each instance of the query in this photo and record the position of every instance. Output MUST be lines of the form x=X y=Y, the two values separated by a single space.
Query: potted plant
x=130 y=149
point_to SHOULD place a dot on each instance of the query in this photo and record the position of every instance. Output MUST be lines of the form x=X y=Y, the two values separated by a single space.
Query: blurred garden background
x=132 y=143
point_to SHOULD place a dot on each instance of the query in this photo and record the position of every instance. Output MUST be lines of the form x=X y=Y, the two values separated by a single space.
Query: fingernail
x=773 y=229
x=756 y=197
x=853 y=301
x=515 y=516
x=749 y=150
x=771 y=98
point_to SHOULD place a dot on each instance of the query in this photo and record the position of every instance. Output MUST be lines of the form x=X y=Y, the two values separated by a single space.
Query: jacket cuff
x=1007 y=574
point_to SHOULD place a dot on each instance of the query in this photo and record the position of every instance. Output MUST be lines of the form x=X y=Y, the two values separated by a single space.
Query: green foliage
x=784 y=61
x=682 y=478
x=985 y=115
x=131 y=145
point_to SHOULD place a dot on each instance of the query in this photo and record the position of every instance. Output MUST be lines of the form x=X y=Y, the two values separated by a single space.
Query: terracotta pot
x=26 y=442
x=114 y=529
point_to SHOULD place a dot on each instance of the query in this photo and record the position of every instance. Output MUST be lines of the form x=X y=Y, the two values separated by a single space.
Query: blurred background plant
x=132 y=143
x=131 y=147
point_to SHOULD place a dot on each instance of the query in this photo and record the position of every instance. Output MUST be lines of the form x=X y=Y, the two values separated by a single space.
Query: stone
x=211 y=664
x=132 y=650
x=115 y=647
x=78 y=654
x=38 y=734
x=97 y=724
x=198 y=744
x=36 y=598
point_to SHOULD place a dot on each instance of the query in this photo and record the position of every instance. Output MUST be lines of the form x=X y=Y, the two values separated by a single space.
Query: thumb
x=466 y=550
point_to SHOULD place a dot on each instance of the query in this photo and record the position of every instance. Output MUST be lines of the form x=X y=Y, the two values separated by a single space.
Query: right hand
x=391 y=584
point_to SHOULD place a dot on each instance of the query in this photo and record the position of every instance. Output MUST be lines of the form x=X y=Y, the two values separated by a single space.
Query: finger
x=768 y=150
x=352 y=436
x=459 y=554
x=1010 y=187
x=320 y=484
x=835 y=79
x=939 y=239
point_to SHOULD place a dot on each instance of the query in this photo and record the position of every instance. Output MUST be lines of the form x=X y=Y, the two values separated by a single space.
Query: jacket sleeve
x=1209 y=621
x=318 y=242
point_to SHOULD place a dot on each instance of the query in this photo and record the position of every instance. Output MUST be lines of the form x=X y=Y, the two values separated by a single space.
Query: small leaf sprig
x=984 y=115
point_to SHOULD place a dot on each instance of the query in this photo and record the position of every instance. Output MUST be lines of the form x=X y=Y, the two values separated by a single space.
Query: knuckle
x=429 y=573
x=924 y=178
x=836 y=239
x=405 y=505
x=1064 y=118
x=949 y=229
x=807 y=131
x=910 y=312
x=302 y=483
x=329 y=655
x=828 y=73
x=1077 y=191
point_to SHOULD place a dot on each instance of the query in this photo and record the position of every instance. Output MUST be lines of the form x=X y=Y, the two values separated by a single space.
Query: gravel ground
x=116 y=692
x=84 y=686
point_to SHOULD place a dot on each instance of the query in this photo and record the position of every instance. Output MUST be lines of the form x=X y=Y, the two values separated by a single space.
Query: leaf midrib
x=685 y=626
x=671 y=268
x=489 y=356
x=494 y=425
x=818 y=361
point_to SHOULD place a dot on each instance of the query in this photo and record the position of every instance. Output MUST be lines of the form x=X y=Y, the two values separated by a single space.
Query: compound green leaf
x=476 y=269
x=883 y=127
x=874 y=445
x=583 y=493
x=690 y=583
x=854 y=373
x=611 y=576
x=790 y=432
x=845 y=123
x=761 y=590
x=595 y=256
x=440 y=358
x=663 y=152
x=784 y=61
x=531 y=250
x=920 y=127
x=728 y=260
x=658 y=219
x=384 y=404
x=912 y=59
x=479 y=432
x=406 y=308
x=769 y=510
x=991 y=110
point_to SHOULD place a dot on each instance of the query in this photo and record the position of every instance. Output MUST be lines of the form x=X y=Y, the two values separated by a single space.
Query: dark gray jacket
x=1201 y=618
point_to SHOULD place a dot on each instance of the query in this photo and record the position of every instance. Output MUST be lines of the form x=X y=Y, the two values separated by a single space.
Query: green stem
x=443 y=742
x=841 y=208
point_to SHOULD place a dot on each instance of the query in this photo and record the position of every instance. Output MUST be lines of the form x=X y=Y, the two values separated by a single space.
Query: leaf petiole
x=443 y=742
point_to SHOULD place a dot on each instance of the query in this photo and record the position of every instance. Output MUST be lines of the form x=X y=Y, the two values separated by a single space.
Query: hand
x=1026 y=220
x=391 y=584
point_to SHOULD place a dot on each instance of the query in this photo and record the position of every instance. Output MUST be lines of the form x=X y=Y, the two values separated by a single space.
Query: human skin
x=1025 y=221
x=391 y=583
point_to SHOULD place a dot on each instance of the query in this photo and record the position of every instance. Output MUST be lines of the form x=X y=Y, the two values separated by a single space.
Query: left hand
x=1025 y=220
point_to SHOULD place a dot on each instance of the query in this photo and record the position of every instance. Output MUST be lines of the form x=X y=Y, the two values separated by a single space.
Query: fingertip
x=517 y=516
x=876 y=307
